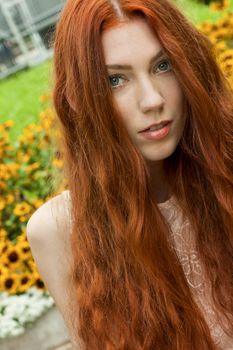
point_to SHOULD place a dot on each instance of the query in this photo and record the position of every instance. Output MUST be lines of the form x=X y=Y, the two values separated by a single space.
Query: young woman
x=138 y=254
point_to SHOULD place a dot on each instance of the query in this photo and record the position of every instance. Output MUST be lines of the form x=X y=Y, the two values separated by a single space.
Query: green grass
x=20 y=96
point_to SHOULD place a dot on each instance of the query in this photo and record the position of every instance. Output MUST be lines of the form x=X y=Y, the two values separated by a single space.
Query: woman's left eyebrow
x=128 y=67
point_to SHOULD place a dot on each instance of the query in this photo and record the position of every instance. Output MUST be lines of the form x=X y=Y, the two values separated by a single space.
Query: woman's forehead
x=134 y=37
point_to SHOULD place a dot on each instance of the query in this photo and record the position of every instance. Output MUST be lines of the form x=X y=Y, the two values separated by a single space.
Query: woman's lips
x=162 y=123
x=157 y=134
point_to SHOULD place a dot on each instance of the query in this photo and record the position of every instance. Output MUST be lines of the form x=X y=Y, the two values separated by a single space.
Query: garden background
x=30 y=159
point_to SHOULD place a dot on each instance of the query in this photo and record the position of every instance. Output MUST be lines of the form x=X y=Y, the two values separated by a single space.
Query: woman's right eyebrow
x=119 y=66
x=128 y=67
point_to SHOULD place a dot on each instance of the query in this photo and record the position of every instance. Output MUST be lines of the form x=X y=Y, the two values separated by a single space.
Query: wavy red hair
x=130 y=290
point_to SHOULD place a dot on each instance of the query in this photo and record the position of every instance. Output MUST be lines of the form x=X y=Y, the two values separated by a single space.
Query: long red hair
x=130 y=290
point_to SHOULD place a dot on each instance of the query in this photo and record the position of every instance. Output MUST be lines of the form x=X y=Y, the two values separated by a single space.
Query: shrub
x=29 y=175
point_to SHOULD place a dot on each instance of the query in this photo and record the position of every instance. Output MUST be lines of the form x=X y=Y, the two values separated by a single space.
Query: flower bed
x=220 y=34
x=19 y=311
x=29 y=176
x=28 y=172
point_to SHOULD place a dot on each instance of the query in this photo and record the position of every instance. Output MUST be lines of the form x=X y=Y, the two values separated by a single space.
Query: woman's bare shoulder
x=52 y=216
x=50 y=227
x=48 y=232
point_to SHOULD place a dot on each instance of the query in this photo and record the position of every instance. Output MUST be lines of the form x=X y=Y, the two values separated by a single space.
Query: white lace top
x=184 y=245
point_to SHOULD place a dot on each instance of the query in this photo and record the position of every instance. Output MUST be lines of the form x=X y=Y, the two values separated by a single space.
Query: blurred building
x=26 y=28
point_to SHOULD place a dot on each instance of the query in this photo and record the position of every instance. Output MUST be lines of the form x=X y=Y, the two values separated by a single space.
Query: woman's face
x=145 y=88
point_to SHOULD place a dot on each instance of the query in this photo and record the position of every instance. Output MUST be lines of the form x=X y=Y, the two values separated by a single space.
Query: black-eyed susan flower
x=25 y=250
x=221 y=46
x=23 y=156
x=219 y=5
x=38 y=281
x=23 y=218
x=12 y=256
x=22 y=209
x=34 y=127
x=27 y=137
x=26 y=280
x=4 y=172
x=225 y=55
x=9 y=199
x=37 y=202
x=10 y=283
x=8 y=124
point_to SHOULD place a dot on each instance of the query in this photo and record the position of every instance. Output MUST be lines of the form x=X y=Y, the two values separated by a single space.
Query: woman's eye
x=163 y=65
x=114 y=80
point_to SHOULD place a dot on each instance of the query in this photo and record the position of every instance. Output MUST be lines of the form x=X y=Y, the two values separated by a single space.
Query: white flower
x=18 y=311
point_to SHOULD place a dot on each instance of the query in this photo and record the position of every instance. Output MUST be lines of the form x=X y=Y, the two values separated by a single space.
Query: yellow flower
x=227 y=66
x=219 y=48
x=221 y=45
x=213 y=38
x=25 y=250
x=8 y=124
x=218 y=6
x=32 y=266
x=13 y=168
x=226 y=55
x=38 y=281
x=32 y=167
x=3 y=270
x=57 y=163
x=9 y=283
x=22 y=237
x=5 y=173
x=9 y=198
x=3 y=235
x=26 y=280
x=37 y=202
x=23 y=218
x=22 y=209
x=34 y=127
x=44 y=98
x=206 y=27
x=12 y=256
x=2 y=204
x=2 y=186
x=25 y=158
x=47 y=123
x=42 y=144
x=27 y=137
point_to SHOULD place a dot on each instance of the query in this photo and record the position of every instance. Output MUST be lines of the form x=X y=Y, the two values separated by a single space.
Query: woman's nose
x=149 y=97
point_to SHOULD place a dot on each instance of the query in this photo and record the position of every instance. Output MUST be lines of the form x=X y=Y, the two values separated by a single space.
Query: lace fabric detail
x=182 y=240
